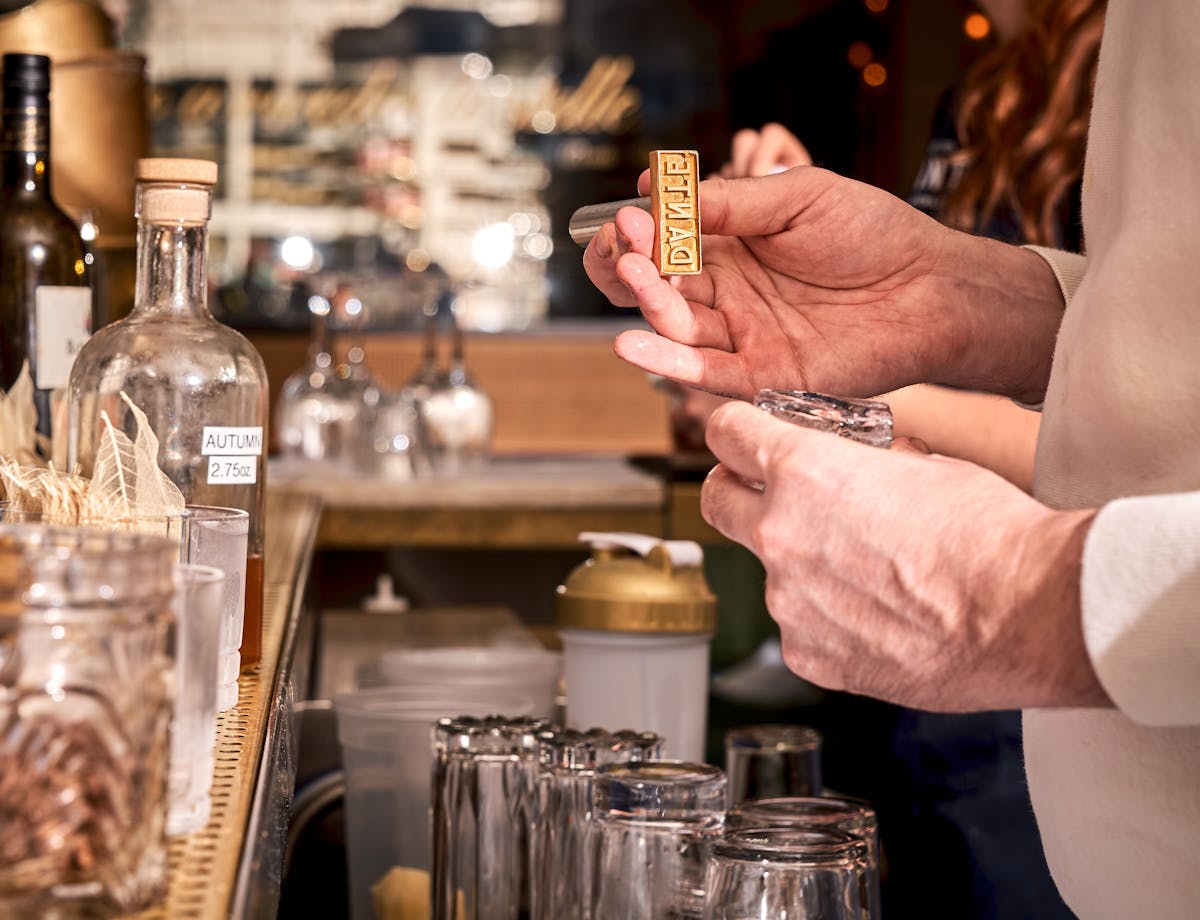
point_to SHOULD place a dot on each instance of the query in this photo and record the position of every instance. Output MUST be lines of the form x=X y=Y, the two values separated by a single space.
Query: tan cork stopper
x=171 y=190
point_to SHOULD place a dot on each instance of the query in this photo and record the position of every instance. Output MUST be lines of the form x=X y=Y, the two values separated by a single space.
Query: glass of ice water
x=219 y=537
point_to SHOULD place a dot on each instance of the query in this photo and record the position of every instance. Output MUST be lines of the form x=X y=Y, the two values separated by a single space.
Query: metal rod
x=587 y=221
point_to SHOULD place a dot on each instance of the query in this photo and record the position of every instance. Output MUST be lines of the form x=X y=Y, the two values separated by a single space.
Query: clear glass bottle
x=45 y=301
x=362 y=394
x=201 y=384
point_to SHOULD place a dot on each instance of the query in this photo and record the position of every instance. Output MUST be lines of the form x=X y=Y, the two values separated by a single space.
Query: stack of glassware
x=530 y=821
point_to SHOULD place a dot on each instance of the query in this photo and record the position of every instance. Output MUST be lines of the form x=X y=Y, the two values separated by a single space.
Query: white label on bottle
x=221 y=441
x=232 y=471
x=232 y=454
x=63 y=322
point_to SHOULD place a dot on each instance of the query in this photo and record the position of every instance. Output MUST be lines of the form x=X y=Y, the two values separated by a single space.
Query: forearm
x=1009 y=307
x=989 y=431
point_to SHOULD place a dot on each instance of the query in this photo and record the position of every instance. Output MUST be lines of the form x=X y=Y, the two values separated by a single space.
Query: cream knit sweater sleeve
x=1141 y=587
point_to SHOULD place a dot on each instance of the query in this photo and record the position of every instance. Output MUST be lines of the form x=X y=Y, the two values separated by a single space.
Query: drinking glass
x=769 y=761
x=654 y=822
x=193 y=729
x=788 y=874
x=218 y=537
x=560 y=841
x=85 y=708
x=481 y=803
x=868 y=421
x=827 y=813
x=393 y=447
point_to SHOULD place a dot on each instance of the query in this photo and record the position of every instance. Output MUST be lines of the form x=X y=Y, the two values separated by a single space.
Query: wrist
x=1012 y=306
x=1058 y=668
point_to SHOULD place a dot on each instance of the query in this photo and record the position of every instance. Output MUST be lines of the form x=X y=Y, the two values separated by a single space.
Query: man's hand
x=914 y=578
x=816 y=282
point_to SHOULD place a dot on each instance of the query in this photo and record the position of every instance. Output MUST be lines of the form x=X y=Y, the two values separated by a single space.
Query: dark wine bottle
x=45 y=298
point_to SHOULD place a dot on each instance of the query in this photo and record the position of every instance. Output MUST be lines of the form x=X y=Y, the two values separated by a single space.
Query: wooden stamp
x=674 y=177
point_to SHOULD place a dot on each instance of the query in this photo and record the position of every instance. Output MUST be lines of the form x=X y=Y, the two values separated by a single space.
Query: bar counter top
x=231 y=867
x=509 y=502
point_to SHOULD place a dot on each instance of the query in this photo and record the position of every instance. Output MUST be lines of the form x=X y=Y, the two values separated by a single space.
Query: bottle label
x=232 y=454
x=63 y=322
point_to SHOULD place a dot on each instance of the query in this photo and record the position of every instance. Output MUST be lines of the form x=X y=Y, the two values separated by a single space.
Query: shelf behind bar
x=211 y=871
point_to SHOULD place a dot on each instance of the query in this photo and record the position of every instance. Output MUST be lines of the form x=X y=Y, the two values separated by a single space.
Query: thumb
x=750 y=206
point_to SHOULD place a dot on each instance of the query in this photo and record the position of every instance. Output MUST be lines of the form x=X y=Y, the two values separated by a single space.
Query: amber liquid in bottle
x=45 y=301
x=253 y=621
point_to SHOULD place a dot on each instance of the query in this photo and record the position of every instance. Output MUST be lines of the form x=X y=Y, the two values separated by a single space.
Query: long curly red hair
x=1022 y=121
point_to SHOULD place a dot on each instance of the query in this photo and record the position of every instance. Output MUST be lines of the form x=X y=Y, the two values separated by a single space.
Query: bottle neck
x=25 y=142
x=429 y=356
x=320 y=346
x=171 y=269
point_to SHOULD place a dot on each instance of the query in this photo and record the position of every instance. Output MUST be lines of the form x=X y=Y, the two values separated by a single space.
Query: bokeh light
x=859 y=54
x=977 y=27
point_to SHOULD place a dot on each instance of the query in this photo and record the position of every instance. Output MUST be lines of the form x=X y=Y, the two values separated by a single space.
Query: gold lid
x=172 y=169
x=636 y=583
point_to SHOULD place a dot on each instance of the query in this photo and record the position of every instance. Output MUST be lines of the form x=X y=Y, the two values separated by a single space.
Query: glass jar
x=202 y=385
x=654 y=823
x=85 y=706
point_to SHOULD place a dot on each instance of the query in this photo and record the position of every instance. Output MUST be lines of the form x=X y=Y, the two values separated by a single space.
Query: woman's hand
x=771 y=149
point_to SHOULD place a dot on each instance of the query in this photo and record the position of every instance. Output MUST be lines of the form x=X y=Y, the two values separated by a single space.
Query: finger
x=600 y=264
x=732 y=436
x=750 y=442
x=911 y=445
x=667 y=310
x=731 y=505
x=777 y=150
x=708 y=368
x=634 y=231
x=643 y=183
x=760 y=206
x=742 y=152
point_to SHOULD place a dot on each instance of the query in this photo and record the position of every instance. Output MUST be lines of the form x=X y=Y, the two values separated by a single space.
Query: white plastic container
x=387 y=754
x=503 y=668
x=640 y=681
x=637 y=621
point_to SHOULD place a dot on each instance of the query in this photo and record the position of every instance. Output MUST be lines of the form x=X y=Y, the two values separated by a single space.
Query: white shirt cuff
x=1140 y=594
